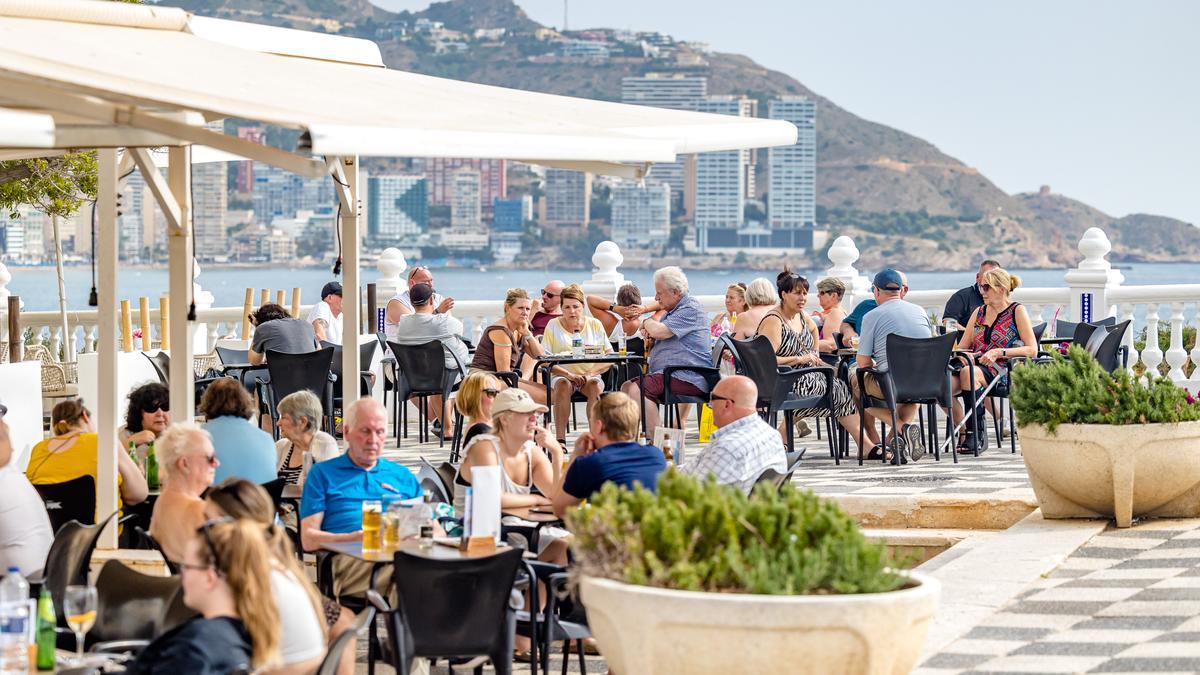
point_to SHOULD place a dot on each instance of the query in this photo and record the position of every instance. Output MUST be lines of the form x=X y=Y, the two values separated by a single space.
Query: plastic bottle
x=151 y=468
x=14 y=617
x=577 y=345
x=46 y=621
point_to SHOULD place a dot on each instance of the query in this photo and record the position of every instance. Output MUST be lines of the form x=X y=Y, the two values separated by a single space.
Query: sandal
x=523 y=655
x=877 y=453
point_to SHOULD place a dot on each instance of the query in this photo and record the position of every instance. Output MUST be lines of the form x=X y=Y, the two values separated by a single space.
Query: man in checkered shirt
x=744 y=445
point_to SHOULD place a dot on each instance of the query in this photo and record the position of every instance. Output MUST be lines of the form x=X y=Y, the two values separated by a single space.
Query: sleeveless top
x=507 y=484
x=1001 y=333
x=290 y=474
x=485 y=353
x=791 y=342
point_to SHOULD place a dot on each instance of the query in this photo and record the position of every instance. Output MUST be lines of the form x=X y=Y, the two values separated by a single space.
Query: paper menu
x=483 y=517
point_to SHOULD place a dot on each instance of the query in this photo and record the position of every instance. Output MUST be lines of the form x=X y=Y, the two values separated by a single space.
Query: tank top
x=485 y=353
x=791 y=343
x=507 y=484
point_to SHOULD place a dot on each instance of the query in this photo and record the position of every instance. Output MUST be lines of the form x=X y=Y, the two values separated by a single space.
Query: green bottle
x=151 y=468
x=45 y=631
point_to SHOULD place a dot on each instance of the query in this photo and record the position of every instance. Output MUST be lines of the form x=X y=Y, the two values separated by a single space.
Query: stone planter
x=1115 y=471
x=646 y=631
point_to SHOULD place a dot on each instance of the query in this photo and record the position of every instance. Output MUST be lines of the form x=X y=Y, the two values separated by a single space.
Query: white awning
x=127 y=65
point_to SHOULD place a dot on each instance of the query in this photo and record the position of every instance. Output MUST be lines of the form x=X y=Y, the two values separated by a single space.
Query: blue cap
x=888 y=280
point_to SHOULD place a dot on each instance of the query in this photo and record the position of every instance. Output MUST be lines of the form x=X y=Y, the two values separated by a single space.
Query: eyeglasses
x=715 y=397
x=211 y=459
x=491 y=393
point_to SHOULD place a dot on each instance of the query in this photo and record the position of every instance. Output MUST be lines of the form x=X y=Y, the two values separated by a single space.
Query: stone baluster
x=1196 y=343
x=55 y=341
x=1176 y=354
x=203 y=300
x=1092 y=280
x=1035 y=313
x=1152 y=355
x=390 y=283
x=843 y=254
x=89 y=339
x=214 y=332
x=606 y=279
x=1125 y=312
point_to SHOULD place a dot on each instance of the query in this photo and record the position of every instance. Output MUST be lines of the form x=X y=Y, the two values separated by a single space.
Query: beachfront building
x=397 y=206
x=210 y=194
x=282 y=193
x=721 y=180
x=641 y=214
x=566 y=203
x=493 y=179
x=466 y=213
x=676 y=91
x=792 y=174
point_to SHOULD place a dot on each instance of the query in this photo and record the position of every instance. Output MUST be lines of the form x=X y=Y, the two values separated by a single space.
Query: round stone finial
x=1094 y=245
x=843 y=253
x=607 y=258
x=391 y=263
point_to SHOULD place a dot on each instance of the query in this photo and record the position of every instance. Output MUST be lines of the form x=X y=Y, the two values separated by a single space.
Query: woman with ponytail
x=71 y=453
x=225 y=573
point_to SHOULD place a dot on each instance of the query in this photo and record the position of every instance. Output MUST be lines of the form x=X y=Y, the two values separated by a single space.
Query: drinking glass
x=79 y=604
x=372 y=516
x=391 y=526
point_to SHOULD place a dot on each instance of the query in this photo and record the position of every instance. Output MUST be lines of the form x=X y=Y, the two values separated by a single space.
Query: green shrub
x=699 y=536
x=1075 y=389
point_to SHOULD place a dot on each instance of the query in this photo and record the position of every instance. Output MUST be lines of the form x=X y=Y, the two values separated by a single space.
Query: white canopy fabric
x=151 y=58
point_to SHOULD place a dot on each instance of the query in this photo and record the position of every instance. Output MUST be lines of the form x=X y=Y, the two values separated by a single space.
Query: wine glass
x=79 y=605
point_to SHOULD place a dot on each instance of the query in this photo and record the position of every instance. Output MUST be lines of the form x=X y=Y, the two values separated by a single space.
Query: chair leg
x=1012 y=429
x=999 y=416
x=582 y=660
x=566 y=656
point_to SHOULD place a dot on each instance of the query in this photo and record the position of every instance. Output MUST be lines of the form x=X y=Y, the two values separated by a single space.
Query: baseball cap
x=516 y=400
x=888 y=280
x=420 y=294
x=331 y=288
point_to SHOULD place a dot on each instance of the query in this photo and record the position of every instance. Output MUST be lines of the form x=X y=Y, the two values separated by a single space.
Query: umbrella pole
x=68 y=342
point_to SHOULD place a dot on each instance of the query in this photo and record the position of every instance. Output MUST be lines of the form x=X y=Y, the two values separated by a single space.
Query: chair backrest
x=130 y=605
x=1106 y=345
x=1083 y=333
x=162 y=365
x=68 y=559
x=839 y=341
x=455 y=607
x=228 y=355
x=635 y=345
x=771 y=477
x=422 y=366
x=1039 y=330
x=918 y=366
x=291 y=373
x=274 y=488
x=148 y=542
x=755 y=358
x=433 y=484
x=74 y=499
x=176 y=613
x=333 y=656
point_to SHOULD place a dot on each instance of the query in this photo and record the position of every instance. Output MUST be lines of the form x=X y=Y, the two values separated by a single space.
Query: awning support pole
x=179 y=266
x=107 y=403
x=351 y=300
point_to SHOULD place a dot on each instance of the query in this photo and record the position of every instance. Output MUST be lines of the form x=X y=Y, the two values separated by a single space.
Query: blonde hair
x=739 y=289
x=66 y=415
x=513 y=295
x=619 y=414
x=998 y=277
x=470 y=394
x=573 y=292
x=238 y=550
x=833 y=284
x=175 y=442
x=760 y=293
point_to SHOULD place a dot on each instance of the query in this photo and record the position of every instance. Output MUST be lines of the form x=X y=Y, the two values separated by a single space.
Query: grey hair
x=350 y=417
x=304 y=405
x=673 y=278
x=176 y=441
x=760 y=293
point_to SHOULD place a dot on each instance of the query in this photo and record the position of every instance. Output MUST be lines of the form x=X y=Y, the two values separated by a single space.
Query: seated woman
x=829 y=318
x=71 y=453
x=474 y=403
x=999 y=330
x=506 y=341
x=760 y=299
x=735 y=305
x=584 y=378
x=299 y=423
x=793 y=335
x=305 y=615
x=223 y=565
x=622 y=318
x=147 y=417
x=244 y=450
x=187 y=462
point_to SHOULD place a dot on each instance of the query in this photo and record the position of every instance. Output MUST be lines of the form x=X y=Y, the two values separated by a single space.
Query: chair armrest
x=119 y=647
x=711 y=375
x=509 y=377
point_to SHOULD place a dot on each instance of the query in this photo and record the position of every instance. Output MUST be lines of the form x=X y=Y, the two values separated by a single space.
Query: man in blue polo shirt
x=331 y=508
x=608 y=453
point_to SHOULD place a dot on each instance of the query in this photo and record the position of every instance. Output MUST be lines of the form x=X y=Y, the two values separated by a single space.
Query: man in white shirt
x=326 y=315
x=25 y=534
x=402 y=304
x=744 y=445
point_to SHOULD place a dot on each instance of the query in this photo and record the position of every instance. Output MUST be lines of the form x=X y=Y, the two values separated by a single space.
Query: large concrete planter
x=646 y=631
x=1115 y=471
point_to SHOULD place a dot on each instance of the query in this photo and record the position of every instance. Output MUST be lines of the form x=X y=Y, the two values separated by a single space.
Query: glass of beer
x=372 y=517
x=391 y=526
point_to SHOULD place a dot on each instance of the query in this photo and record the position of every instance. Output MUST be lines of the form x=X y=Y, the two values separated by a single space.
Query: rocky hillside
x=897 y=192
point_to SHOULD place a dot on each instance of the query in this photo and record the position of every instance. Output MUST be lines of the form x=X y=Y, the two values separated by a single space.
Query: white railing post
x=843 y=254
x=1152 y=353
x=1093 y=279
x=605 y=278
x=1176 y=354
x=391 y=264
x=5 y=277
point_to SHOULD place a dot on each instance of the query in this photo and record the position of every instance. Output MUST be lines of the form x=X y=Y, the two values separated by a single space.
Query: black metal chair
x=1065 y=330
x=671 y=399
x=563 y=618
x=130 y=606
x=918 y=372
x=420 y=371
x=290 y=373
x=453 y=609
x=72 y=500
x=433 y=481
x=333 y=656
x=162 y=365
x=366 y=352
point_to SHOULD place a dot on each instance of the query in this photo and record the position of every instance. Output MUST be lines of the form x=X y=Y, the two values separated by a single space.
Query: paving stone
x=1140 y=532
x=1071 y=649
x=1090 y=551
x=1159 y=623
x=1127 y=637
x=951 y=660
x=1007 y=633
x=1148 y=665
x=1142 y=563
x=1177 y=582
x=1040 y=663
x=1057 y=607
x=1174 y=649
x=1089 y=582
x=1178 y=636
x=1159 y=608
x=1136 y=573
x=1063 y=594
x=1167 y=595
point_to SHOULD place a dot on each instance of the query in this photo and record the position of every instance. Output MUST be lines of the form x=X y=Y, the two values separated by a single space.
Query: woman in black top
x=474 y=403
x=225 y=575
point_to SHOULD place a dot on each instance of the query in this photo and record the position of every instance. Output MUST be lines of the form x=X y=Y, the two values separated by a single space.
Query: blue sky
x=1098 y=99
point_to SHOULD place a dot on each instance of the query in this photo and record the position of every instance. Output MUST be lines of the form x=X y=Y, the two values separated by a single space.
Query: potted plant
x=698 y=578
x=1101 y=445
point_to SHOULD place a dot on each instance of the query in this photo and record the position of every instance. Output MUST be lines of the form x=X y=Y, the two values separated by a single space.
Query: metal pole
x=15 y=335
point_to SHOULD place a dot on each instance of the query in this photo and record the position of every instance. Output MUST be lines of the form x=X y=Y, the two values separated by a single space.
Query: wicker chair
x=59 y=380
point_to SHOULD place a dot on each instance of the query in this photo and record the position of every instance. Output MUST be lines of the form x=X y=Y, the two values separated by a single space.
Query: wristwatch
x=612 y=307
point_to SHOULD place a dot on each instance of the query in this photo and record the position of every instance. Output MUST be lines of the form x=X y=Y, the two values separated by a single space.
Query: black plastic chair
x=918 y=372
x=130 y=606
x=148 y=542
x=1065 y=330
x=563 y=619
x=162 y=365
x=1108 y=348
x=420 y=371
x=72 y=500
x=366 y=352
x=67 y=563
x=453 y=609
x=433 y=481
x=670 y=399
x=291 y=373
x=333 y=656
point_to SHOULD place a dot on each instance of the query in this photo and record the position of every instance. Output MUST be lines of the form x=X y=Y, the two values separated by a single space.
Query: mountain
x=895 y=193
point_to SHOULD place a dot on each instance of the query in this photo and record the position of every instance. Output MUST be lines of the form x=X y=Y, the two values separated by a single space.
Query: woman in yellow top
x=585 y=378
x=71 y=453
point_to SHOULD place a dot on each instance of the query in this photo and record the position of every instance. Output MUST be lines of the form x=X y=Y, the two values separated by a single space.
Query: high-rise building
x=132 y=222
x=440 y=172
x=465 y=210
x=508 y=215
x=210 y=193
x=567 y=199
x=244 y=182
x=792 y=197
x=721 y=180
x=641 y=214
x=397 y=206
x=666 y=90
x=278 y=193
x=24 y=236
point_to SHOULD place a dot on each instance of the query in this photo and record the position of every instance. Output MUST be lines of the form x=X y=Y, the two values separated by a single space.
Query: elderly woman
x=829 y=318
x=300 y=425
x=148 y=415
x=186 y=463
x=506 y=341
x=735 y=305
x=681 y=339
x=584 y=378
x=760 y=299
x=245 y=450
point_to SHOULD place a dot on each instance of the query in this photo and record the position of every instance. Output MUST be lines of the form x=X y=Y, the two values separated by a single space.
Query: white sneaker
x=914 y=441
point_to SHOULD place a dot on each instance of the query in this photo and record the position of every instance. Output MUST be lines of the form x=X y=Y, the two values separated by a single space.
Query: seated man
x=326 y=315
x=548 y=307
x=423 y=326
x=609 y=453
x=331 y=507
x=25 y=534
x=743 y=446
x=853 y=322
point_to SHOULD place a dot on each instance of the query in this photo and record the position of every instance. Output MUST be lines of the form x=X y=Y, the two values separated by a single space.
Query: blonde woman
x=187 y=463
x=474 y=403
x=735 y=305
x=506 y=341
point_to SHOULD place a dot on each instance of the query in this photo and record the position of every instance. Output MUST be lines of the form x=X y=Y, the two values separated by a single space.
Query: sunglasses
x=491 y=393
x=158 y=407
x=548 y=294
x=985 y=287
x=714 y=397
x=212 y=548
x=3 y=410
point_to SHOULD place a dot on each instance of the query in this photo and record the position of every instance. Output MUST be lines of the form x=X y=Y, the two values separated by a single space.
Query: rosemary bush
x=1074 y=389
x=699 y=536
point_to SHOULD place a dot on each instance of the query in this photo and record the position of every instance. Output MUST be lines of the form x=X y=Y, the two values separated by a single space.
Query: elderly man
x=743 y=445
x=608 y=452
x=25 y=534
x=326 y=315
x=331 y=506
x=967 y=300
x=549 y=307
x=681 y=338
x=893 y=315
x=402 y=304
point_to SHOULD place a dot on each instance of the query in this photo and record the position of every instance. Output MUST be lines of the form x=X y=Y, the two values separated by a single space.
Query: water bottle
x=14 y=619
x=577 y=345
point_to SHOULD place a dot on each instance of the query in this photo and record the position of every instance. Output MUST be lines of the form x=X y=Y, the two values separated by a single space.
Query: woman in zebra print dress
x=793 y=335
